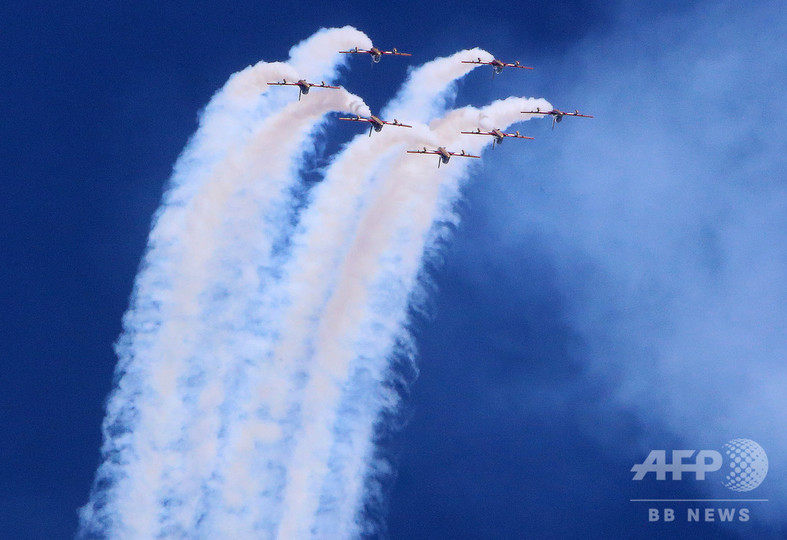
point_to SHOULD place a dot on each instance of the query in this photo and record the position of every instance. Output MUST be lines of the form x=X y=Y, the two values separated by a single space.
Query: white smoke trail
x=368 y=307
x=327 y=377
x=417 y=101
x=262 y=202
x=315 y=58
x=135 y=490
x=239 y=202
x=326 y=229
x=174 y=242
x=248 y=387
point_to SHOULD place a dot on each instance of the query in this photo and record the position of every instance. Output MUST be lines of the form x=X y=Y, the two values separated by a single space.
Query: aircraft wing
x=369 y=120
x=577 y=113
x=425 y=151
x=462 y=154
x=496 y=63
x=556 y=112
x=517 y=65
x=396 y=53
x=477 y=62
x=283 y=83
x=357 y=119
x=356 y=50
x=396 y=123
x=323 y=85
x=515 y=135
x=438 y=153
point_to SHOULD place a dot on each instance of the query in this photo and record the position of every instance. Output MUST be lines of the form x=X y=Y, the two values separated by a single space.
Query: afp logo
x=744 y=464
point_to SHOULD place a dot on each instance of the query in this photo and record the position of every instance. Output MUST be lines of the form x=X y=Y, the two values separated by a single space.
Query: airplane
x=376 y=53
x=376 y=123
x=497 y=65
x=444 y=154
x=557 y=115
x=303 y=86
x=497 y=134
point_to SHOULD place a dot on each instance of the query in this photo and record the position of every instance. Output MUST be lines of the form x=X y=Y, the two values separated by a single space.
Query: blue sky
x=614 y=286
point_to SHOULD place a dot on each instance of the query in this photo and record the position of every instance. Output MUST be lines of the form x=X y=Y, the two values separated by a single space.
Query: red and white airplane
x=444 y=154
x=376 y=53
x=557 y=115
x=497 y=65
x=303 y=86
x=497 y=134
x=376 y=123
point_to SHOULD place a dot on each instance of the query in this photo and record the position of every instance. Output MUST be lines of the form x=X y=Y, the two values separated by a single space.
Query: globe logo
x=748 y=464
